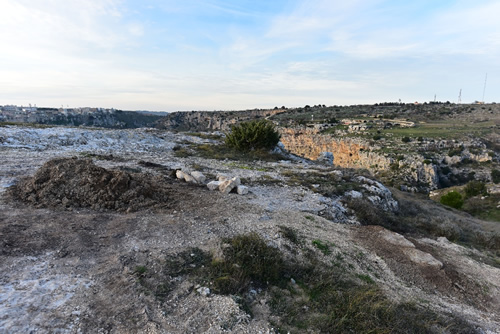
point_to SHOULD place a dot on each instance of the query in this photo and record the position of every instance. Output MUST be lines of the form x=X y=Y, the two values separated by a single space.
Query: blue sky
x=221 y=55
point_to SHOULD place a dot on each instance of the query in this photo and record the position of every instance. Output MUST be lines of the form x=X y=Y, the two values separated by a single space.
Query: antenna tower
x=460 y=96
x=484 y=89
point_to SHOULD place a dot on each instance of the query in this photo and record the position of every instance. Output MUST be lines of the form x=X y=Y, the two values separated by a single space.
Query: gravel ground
x=72 y=271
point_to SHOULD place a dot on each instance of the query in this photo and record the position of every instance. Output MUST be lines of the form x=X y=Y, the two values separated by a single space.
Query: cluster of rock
x=224 y=183
x=376 y=193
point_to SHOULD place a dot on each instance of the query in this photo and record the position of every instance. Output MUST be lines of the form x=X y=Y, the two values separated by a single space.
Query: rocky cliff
x=358 y=153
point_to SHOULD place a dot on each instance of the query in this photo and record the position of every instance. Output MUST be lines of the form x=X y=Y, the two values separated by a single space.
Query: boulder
x=180 y=174
x=199 y=177
x=212 y=185
x=183 y=175
x=228 y=185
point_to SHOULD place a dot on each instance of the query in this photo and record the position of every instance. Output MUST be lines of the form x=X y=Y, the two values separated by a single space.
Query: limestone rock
x=242 y=190
x=180 y=174
x=199 y=177
x=204 y=291
x=183 y=175
x=212 y=185
x=228 y=185
x=222 y=177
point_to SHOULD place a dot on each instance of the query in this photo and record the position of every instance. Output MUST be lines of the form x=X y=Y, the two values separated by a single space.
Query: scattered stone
x=228 y=185
x=180 y=174
x=204 y=291
x=222 y=177
x=242 y=190
x=199 y=177
x=212 y=185
x=186 y=176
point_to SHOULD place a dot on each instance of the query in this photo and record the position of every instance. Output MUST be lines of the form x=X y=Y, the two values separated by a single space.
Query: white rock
x=236 y=180
x=204 y=291
x=212 y=185
x=228 y=185
x=180 y=174
x=222 y=177
x=189 y=178
x=183 y=175
x=242 y=190
x=199 y=177
x=354 y=194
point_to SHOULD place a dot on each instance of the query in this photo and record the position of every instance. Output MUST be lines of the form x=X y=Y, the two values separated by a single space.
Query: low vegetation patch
x=303 y=297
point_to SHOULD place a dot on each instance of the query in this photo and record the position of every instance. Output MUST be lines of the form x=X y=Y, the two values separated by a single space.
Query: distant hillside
x=212 y=120
x=116 y=119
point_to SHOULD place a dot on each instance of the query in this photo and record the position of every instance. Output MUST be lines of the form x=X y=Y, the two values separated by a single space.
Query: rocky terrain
x=99 y=234
x=413 y=147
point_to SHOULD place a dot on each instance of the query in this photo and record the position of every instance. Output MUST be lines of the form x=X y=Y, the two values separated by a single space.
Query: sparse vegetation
x=247 y=260
x=304 y=297
x=475 y=188
x=322 y=246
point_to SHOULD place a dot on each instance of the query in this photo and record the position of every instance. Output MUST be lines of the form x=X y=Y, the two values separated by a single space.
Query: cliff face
x=211 y=121
x=357 y=153
x=347 y=152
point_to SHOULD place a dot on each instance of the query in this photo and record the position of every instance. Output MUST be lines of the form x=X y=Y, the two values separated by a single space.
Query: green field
x=443 y=129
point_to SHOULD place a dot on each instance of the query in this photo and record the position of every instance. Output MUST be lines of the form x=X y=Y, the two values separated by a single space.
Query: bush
x=406 y=139
x=495 y=176
x=475 y=188
x=453 y=199
x=246 y=136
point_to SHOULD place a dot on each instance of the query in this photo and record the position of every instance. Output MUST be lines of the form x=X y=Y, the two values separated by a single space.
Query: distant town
x=87 y=116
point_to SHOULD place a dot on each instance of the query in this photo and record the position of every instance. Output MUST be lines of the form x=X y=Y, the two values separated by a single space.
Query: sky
x=167 y=55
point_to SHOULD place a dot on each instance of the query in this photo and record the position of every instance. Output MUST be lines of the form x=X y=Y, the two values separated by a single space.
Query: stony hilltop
x=115 y=231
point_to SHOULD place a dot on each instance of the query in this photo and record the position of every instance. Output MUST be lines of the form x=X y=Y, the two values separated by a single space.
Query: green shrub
x=495 y=176
x=406 y=139
x=261 y=134
x=475 y=188
x=453 y=199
